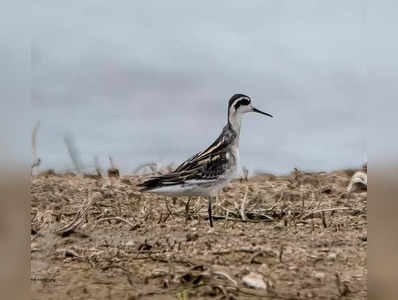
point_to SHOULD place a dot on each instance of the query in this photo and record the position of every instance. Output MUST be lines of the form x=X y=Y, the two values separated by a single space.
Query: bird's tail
x=149 y=184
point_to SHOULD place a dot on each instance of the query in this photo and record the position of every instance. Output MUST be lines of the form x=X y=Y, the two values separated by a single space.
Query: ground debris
x=359 y=182
x=254 y=280
x=278 y=237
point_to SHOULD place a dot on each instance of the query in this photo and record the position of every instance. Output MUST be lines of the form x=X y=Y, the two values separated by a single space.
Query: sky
x=149 y=81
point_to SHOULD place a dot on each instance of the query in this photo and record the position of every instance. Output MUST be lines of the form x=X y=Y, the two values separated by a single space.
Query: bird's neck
x=234 y=121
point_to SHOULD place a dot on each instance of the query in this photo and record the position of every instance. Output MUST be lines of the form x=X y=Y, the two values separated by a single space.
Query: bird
x=207 y=172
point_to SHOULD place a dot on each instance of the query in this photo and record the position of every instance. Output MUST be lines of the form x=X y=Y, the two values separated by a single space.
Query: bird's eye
x=242 y=102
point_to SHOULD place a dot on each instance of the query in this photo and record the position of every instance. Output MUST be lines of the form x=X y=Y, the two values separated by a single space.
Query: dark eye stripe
x=241 y=102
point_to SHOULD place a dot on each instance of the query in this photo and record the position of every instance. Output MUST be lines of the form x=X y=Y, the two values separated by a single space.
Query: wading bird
x=207 y=172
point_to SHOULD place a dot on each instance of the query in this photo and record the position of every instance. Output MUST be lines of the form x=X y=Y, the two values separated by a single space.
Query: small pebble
x=332 y=256
x=254 y=280
x=319 y=275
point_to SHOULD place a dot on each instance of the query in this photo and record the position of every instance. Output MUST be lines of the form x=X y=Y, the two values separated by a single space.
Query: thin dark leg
x=210 y=215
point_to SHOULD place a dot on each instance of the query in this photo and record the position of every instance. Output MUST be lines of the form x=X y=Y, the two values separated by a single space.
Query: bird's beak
x=261 y=112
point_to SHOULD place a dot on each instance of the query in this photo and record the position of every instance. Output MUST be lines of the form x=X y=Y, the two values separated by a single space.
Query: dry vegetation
x=295 y=237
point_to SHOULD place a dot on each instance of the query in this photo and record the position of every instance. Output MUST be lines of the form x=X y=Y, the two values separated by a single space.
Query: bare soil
x=303 y=235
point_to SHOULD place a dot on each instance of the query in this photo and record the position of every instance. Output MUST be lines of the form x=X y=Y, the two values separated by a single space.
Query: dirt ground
x=298 y=236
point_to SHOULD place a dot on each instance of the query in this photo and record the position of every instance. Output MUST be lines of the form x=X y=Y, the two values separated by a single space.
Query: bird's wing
x=203 y=157
x=204 y=166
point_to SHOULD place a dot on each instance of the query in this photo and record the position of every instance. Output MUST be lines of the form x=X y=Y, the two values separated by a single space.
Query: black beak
x=261 y=112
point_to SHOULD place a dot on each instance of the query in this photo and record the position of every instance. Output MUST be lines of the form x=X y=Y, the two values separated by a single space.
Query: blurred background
x=149 y=81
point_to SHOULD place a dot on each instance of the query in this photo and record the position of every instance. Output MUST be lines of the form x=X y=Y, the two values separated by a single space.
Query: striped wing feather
x=206 y=165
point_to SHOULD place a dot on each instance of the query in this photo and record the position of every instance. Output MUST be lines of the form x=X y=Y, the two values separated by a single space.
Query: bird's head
x=240 y=104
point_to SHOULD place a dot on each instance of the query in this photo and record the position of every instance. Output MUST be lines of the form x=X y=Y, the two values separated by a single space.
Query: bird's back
x=210 y=167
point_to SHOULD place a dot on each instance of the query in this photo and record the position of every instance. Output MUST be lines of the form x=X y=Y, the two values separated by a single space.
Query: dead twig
x=243 y=205
x=323 y=211
x=79 y=217
x=281 y=253
x=225 y=275
x=206 y=216
x=133 y=226
x=262 y=253
x=68 y=253
x=187 y=209
x=342 y=287
x=36 y=159
x=97 y=165
x=42 y=279
x=243 y=250
x=73 y=153
x=113 y=171
x=166 y=260
x=324 y=220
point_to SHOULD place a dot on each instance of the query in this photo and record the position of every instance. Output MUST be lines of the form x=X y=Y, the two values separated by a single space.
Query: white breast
x=237 y=169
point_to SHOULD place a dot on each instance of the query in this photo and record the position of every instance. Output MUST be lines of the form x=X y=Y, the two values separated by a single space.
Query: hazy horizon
x=121 y=80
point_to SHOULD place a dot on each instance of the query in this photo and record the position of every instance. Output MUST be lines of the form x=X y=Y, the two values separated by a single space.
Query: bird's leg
x=210 y=214
x=187 y=209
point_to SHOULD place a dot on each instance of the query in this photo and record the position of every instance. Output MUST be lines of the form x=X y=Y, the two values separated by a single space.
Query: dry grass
x=100 y=238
